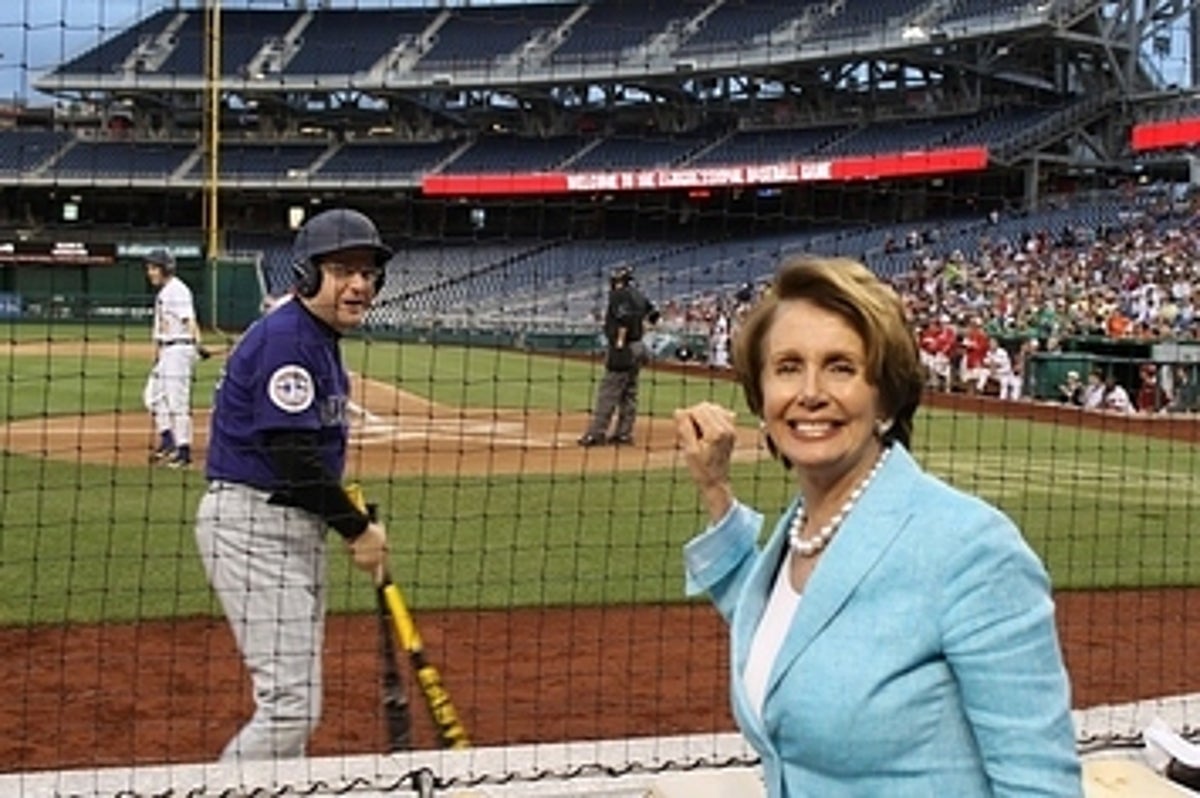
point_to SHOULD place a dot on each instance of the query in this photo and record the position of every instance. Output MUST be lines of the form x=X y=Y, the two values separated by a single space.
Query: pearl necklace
x=809 y=547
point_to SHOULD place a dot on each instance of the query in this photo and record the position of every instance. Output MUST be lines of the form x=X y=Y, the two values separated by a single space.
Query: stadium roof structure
x=1068 y=74
x=382 y=50
x=605 y=41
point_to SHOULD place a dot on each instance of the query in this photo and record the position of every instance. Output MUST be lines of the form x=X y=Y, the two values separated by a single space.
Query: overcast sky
x=38 y=35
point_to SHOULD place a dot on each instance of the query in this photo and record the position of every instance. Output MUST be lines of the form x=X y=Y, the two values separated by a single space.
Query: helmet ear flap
x=381 y=261
x=307 y=277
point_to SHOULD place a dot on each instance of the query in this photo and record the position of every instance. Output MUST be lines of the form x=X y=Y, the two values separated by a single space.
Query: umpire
x=625 y=320
x=277 y=450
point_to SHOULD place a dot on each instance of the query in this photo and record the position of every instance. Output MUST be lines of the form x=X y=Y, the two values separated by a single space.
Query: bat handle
x=380 y=575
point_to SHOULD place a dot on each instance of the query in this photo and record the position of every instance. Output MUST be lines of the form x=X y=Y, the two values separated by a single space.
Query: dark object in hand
x=619 y=359
x=203 y=352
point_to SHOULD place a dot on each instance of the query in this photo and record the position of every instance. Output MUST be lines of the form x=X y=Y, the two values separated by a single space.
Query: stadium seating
x=335 y=41
x=23 y=151
x=242 y=36
x=261 y=160
x=899 y=135
x=475 y=38
x=390 y=160
x=347 y=41
x=982 y=11
x=770 y=146
x=735 y=23
x=109 y=56
x=868 y=18
x=998 y=125
x=638 y=152
x=612 y=26
x=386 y=159
x=514 y=154
x=122 y=159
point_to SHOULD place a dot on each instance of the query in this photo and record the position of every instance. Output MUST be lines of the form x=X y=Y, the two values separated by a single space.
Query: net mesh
x=546 y=577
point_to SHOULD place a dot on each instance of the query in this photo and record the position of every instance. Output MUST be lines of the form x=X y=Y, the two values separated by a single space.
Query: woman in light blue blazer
x=893 y=637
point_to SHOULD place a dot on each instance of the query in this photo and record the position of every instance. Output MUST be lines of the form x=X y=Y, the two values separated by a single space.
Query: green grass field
x=85 y=543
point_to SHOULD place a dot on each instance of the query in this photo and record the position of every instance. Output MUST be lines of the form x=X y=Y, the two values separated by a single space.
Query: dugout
x=1121 y=359
x=1048 y=370
x=97 y=286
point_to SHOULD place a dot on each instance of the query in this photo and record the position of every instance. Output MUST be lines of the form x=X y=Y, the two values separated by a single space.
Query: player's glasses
x=344 y=271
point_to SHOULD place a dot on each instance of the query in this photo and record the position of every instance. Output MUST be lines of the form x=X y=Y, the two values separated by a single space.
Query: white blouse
x=769 y=636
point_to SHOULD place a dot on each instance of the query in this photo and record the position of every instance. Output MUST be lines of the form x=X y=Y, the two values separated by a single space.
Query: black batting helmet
x=333 y=231
x=162 y=259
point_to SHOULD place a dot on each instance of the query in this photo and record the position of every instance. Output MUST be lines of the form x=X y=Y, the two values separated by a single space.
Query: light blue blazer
x=922 y=662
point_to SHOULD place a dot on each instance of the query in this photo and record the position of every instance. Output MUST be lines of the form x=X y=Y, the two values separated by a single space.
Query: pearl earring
x=882 y=426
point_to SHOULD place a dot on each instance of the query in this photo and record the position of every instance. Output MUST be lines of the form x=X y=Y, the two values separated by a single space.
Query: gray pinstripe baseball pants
x=266 y=565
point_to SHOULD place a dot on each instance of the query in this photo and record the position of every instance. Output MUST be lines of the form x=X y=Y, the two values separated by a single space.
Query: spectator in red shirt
x=1149 y=398
x=975 y=348
x=937 y=342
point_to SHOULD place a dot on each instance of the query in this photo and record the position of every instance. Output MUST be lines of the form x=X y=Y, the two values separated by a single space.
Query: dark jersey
x=285 y=374
x=627 y=308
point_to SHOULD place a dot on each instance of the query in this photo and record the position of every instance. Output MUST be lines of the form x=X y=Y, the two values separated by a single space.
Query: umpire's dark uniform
x=624 y=324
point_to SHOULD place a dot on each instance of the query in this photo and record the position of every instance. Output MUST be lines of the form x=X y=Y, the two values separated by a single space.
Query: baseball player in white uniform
x=1000 y=368
x=168 y=394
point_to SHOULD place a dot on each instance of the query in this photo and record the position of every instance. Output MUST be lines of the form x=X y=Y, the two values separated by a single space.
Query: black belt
x=176 y=342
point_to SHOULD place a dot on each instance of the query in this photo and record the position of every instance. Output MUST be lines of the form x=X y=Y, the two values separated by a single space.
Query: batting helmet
x=334 y=231
x=162 y=259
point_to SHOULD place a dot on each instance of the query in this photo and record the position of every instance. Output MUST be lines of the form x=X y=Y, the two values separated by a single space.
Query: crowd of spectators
x=1035 y=294
x=984 y=317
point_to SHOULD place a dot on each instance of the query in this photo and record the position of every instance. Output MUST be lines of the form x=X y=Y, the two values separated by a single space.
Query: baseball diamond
x=393 y=432
x=170 y=691
x=549 y=324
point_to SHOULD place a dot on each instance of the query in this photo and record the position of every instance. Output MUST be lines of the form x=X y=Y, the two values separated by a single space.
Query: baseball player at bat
x=277 y=452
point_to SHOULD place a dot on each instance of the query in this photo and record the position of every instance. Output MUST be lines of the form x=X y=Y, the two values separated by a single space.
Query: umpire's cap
x=622 y=275
x=162 y=259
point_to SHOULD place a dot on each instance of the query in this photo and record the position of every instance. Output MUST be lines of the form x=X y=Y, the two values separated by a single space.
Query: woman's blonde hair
x=873 y=309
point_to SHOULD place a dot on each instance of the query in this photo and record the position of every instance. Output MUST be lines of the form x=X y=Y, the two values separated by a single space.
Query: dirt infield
x=392 y=432
x=175 y=691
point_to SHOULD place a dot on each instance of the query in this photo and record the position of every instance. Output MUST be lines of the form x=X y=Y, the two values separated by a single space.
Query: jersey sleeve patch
x=291 y=389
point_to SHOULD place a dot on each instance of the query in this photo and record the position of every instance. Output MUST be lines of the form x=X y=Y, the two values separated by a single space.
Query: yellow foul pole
x=212 y=147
